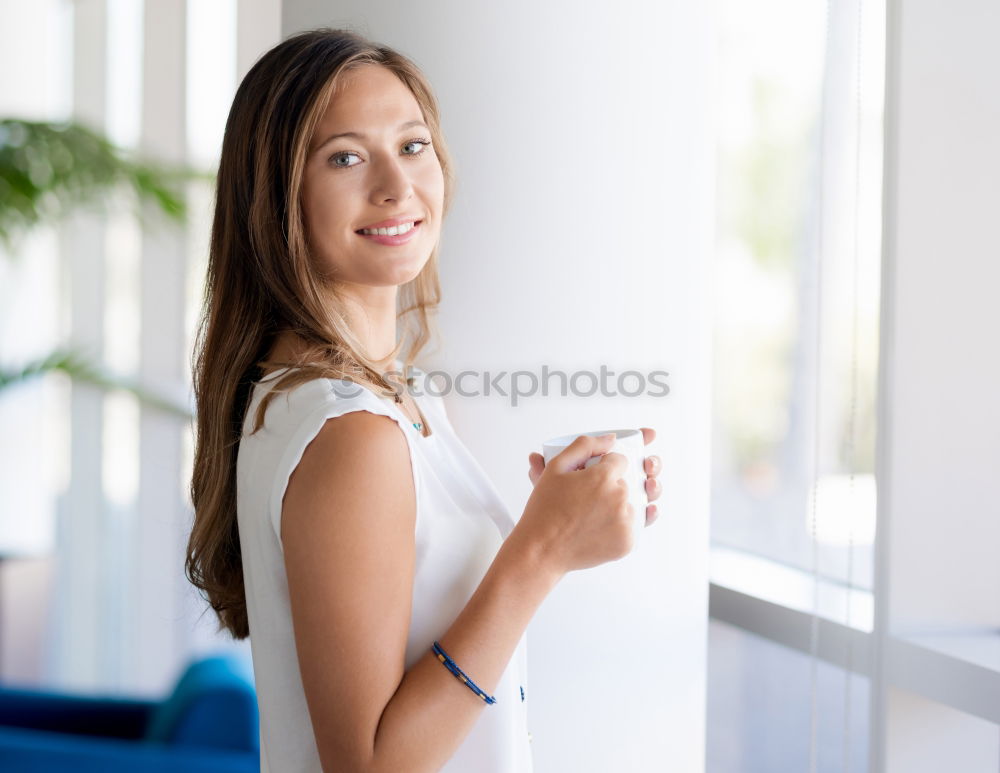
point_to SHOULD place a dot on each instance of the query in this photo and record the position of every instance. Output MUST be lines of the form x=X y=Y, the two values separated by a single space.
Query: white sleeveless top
x=460 y=524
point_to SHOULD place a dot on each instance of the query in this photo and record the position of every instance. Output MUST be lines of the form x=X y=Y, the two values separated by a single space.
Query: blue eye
x=426 y=144
x=333 y=159
x=335 y=156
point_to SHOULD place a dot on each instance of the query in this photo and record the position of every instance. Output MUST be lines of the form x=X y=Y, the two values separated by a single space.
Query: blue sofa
x=208 y=723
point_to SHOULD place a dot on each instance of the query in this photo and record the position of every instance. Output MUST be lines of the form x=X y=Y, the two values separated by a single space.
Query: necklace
x=417 y=425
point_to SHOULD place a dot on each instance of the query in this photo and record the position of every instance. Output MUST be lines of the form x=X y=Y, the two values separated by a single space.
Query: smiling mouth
x=361 y=231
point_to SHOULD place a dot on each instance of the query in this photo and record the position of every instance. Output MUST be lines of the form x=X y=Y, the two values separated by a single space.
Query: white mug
x=630 y=444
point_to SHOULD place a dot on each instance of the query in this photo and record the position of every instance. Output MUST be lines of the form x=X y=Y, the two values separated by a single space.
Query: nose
x=391 y=180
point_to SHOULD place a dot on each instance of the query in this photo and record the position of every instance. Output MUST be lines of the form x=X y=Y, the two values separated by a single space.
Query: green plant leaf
x=49 y=169
x=82 y=370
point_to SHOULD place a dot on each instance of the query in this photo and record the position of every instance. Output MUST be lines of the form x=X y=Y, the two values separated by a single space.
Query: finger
x=652 y=465
x=575 y=455
x=648 y=434
x=619 y=462
x=652 y=512
x=653 y=489
x=536 y=466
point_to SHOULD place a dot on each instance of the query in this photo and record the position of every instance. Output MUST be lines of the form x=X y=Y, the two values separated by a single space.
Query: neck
x=371 y=313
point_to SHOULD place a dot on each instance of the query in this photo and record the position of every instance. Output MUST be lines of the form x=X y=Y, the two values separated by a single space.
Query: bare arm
x=347 y=529
x=432 y=711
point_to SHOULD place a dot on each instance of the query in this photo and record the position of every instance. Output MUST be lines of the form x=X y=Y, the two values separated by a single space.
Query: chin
x=409 y=276
x=407 y=272
x=391 y=278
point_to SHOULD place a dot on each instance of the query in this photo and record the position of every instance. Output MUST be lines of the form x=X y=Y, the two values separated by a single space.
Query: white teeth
x=393 y=231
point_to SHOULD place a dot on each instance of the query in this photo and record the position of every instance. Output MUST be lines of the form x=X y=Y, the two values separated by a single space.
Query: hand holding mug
x=579 y=515
x=652 y=467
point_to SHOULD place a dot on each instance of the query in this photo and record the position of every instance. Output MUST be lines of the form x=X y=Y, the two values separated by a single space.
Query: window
x=782 y=156
x=917 y=628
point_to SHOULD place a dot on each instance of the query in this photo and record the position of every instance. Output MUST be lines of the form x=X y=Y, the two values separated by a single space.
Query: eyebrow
x=358 y=136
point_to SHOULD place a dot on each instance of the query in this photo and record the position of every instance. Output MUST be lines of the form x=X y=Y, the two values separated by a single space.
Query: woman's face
x=385 y=170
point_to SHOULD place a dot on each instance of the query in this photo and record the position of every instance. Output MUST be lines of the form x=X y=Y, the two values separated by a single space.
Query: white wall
x=940 y=423
x=581 y=236
x=944 y=316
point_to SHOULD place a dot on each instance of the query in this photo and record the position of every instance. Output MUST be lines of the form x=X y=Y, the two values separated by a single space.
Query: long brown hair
x=260 y=282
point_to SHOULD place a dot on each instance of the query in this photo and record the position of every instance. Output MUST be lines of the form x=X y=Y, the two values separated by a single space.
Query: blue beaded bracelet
x=460 y=674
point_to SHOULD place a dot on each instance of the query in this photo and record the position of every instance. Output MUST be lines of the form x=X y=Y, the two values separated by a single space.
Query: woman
x=339 y=521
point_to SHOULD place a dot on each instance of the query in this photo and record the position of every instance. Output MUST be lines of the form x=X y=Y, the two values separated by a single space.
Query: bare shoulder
x=356 y=455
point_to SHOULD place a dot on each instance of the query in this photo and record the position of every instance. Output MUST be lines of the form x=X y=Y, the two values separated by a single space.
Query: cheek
x=309 y=199
x=321 y=203
x=433 y=182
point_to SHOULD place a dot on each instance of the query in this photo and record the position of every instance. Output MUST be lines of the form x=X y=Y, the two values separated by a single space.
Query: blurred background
x=810 y=188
